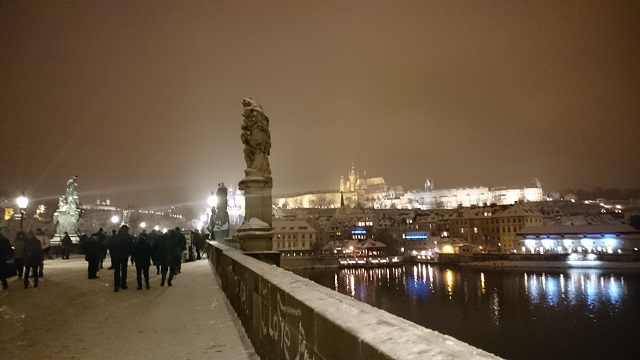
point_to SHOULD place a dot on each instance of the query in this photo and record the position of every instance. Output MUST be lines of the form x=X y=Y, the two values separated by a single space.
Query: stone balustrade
x=289 y=317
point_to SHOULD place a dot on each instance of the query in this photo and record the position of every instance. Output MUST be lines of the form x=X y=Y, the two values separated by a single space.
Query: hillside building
x=354 y=191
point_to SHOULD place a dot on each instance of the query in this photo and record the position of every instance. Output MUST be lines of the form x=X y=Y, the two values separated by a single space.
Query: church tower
x=353 y=178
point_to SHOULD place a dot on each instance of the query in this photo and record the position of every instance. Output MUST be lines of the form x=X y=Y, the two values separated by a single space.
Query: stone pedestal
x=257 y=196
x=57 y=239
x=255 y=234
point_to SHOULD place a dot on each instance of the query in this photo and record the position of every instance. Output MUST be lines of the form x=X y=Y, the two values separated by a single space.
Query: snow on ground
x=71 y=317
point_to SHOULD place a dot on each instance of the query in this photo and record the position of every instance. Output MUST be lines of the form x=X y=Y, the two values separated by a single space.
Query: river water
x=541 y=314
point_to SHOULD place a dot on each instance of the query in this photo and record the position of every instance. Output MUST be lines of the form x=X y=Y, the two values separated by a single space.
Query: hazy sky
x=143 y=99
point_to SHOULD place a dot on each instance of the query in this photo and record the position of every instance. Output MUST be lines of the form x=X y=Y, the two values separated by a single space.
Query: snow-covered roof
x=369 y=243
x=292 y=226
x=516 y=209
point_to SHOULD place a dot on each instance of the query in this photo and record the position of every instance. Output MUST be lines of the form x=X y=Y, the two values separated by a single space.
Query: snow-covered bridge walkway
x=71 y=317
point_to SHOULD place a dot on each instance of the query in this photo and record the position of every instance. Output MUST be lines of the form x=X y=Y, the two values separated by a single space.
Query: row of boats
x=378 y=261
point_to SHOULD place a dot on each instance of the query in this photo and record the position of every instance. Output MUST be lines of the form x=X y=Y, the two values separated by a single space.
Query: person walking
x=33 y=257
x=6 y=253
x=167 y=256
x=45 y=243
x=18 y=250
x=66 y=246
x=102 y=246
x=155 y=240
x=120 y=248
x=142 y=259
x=182 y=244
x=108 y=243
x=92 y=256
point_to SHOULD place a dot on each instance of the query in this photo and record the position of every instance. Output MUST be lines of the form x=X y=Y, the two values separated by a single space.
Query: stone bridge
x=291 y=318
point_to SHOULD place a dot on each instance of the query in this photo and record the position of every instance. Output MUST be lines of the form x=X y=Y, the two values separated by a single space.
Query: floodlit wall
x=288 y=317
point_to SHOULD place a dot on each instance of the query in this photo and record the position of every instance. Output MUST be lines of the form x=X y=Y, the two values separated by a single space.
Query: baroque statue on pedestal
x=66 y=216
x=219 y=222
x=255 y=137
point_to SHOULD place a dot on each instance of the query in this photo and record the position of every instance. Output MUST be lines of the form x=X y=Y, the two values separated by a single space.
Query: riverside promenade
x=71 y=317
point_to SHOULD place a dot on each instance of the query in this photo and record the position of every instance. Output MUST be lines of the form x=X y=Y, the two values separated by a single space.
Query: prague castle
x=355 y=191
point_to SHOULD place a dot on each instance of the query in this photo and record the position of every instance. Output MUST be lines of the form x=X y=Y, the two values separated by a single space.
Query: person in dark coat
x=182 y=244
x=142 y=259
x=18 y=257
x=167 y=256
x=108 y=243
x=33 y=257
x=120 y=249
x=66 y=245
x=198 y=243
x=6 y=253
x=155 y=240
x=102 y=245
x=92 y=256
x=46 y=248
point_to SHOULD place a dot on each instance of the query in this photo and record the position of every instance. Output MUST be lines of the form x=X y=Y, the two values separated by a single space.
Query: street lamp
x=114 y=220
x=143 y=224
x=212 y=200
x=22 y=202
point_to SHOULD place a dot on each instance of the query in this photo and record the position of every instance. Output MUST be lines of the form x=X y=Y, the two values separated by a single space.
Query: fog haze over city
x=143 y=99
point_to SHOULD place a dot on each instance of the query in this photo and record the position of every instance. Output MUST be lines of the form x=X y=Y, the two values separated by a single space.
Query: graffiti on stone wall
x=274 y=325
x=239 y=289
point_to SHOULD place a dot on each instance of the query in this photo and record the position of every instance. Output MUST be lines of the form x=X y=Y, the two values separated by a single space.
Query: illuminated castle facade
x=375 y=193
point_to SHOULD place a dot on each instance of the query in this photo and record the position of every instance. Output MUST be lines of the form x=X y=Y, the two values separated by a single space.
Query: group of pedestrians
x=163 y=250
x=28 y=256
x=95 y=249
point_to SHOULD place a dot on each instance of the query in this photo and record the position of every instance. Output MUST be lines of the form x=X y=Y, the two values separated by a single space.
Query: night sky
x=143 y=99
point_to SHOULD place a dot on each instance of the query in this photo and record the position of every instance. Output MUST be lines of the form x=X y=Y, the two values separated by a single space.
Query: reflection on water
x=565 y=312
x=577 y=286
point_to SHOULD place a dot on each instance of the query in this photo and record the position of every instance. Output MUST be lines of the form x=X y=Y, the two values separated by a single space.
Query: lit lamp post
x=212 y=200
x=22 y=202
x=203 y=220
